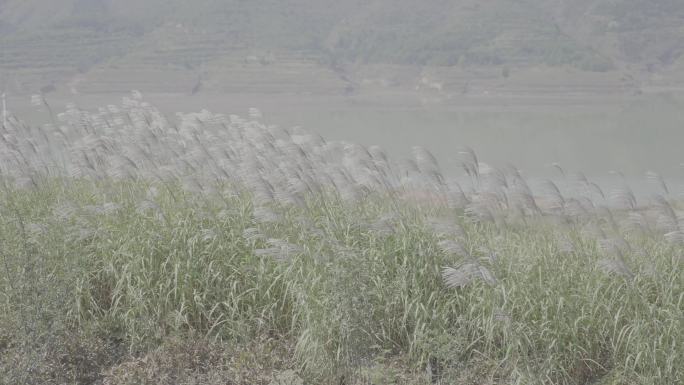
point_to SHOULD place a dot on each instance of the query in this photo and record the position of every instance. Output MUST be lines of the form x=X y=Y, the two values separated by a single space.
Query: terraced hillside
x=45 y=44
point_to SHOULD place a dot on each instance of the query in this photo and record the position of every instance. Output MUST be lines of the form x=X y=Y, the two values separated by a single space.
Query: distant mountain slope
x=45 y=41
x=469 y=32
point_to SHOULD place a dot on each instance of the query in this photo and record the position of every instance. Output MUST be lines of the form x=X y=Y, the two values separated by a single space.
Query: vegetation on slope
x=218 y=250
x=593 y=36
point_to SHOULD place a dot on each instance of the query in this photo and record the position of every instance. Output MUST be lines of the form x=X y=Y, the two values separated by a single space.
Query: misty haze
x=342 y=192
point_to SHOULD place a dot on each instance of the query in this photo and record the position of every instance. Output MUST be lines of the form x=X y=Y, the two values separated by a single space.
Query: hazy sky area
x=593 y=85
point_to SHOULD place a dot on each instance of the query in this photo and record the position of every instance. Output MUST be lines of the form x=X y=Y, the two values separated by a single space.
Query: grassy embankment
x=121 y=277
x=97 y=283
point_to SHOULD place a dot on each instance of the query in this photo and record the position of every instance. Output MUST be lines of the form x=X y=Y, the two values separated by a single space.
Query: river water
x=598 y=137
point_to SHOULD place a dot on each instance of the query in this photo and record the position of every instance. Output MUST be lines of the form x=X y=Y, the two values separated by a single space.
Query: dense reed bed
x=217 y=250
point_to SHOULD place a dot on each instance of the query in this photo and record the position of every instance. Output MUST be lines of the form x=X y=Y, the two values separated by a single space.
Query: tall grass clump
x=214 y=249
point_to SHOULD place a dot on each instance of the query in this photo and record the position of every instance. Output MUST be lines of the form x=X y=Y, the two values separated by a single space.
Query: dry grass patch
x=199 y=361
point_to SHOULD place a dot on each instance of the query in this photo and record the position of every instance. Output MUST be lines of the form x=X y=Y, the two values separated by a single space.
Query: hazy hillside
x=47 y=42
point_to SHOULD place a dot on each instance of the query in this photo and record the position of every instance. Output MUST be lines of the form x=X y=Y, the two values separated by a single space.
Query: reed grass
x=171 y=260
